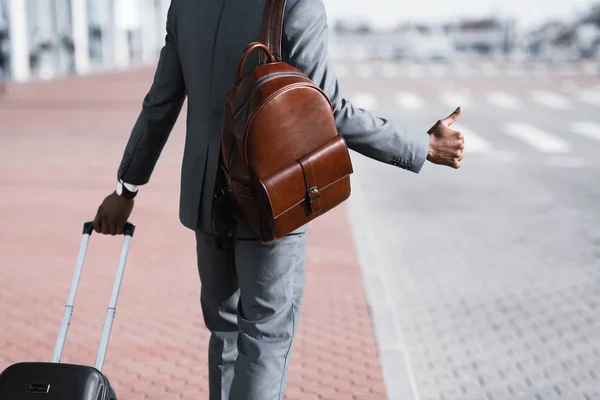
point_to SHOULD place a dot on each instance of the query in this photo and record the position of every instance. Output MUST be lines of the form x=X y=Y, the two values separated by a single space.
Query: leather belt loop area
x=310 y=181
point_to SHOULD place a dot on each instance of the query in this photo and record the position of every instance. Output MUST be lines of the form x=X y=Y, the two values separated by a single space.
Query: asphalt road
x=484 y=282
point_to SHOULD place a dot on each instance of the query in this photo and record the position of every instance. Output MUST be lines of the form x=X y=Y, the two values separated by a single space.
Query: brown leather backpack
x=283 y=161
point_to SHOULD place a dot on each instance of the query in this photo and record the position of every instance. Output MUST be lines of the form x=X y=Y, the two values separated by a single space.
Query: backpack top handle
x=251 y=47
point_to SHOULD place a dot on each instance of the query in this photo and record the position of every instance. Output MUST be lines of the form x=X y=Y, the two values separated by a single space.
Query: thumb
x=452 y=118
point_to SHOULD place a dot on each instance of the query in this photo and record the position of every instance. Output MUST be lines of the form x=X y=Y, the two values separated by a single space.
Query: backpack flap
x=311 y=186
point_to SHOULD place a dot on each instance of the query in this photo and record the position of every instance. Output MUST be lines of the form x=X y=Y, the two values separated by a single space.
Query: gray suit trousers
x=251 y=298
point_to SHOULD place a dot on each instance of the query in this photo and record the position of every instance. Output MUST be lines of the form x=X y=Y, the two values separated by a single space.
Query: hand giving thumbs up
x=446 y=144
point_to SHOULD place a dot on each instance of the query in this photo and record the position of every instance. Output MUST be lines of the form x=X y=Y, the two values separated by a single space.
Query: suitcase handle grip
x=88 y=228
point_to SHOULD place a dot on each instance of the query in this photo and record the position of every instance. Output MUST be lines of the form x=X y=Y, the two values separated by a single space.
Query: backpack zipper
x=255 y=87
x=262 y=81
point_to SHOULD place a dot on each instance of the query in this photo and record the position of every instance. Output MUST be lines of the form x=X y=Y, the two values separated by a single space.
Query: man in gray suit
x=251 y=291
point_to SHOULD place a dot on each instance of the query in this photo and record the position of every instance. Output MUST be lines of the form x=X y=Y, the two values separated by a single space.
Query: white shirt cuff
x=130 y=187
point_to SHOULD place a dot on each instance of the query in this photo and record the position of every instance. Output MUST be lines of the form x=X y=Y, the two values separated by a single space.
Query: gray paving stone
x=498 y=296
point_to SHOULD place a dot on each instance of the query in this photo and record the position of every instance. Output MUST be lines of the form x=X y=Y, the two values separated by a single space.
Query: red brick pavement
x=60 y=144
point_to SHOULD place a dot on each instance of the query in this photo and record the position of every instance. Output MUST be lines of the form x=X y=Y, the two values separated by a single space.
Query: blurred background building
x=41 y=39
x=486 y=37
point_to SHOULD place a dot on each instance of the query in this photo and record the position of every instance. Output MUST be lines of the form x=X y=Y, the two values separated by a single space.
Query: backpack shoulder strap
x=272 y=28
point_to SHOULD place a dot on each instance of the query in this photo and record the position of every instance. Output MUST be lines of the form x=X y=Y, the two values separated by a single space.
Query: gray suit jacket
x=204 y=41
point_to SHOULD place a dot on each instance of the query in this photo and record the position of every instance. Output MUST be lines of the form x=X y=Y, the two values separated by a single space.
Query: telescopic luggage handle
x=88 y=228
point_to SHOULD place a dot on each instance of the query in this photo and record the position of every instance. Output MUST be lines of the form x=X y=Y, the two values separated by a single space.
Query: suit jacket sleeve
x=305 y=45
x=160 y=109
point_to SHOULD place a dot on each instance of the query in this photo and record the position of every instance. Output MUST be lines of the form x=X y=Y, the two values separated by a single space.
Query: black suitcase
x=59 y=381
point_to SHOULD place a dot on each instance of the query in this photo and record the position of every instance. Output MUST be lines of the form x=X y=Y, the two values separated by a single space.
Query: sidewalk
x=61 y=144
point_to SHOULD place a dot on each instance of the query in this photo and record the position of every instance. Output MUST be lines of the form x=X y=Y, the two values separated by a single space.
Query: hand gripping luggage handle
x=110 y=313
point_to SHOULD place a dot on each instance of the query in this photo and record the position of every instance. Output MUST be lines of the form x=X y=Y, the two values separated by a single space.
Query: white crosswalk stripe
x=359 y=53
x=415 y=71
x=489 y=70
x=463 y=70
x=390 y=70
x=473 y=142
x=515 y=71
x=364 y=100
x=539 y=70
x=342 y=71
x=455 y=98
x=565 y=162
x=538 y=139
x=364 y=71
x=438 y=71
x=504 y=100
x=550 y=99
x=591 y=68
x=505 y=156
x=588 y=129
x=567 y=70
x=589 y=96
x=409 y=101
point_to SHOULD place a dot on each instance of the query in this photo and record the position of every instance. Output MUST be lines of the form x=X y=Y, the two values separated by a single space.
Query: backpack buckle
x=313 y=196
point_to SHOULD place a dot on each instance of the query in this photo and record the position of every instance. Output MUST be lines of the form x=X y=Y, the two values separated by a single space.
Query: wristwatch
x=125 y=190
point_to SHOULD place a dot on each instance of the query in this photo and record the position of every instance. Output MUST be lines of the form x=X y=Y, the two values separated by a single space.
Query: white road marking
x=589 y=129
x=567 y=162
x=539 y=70
x=342 y=71
x=390 y=70
x=473 y=142
x=515 y=70
x=463 y=70
x=591 y=68
x=359 y=53
x=489 y=70
x=567 y=70
x=505 y=156
x=537 y=138
x=409 y=101
x=550 y=99
x=415 y=71
x=364 y=71
x=364 y=100
x=589 y=96
x=504 y=100
x=455 y=98
x=338 y=52
x=438 y=71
